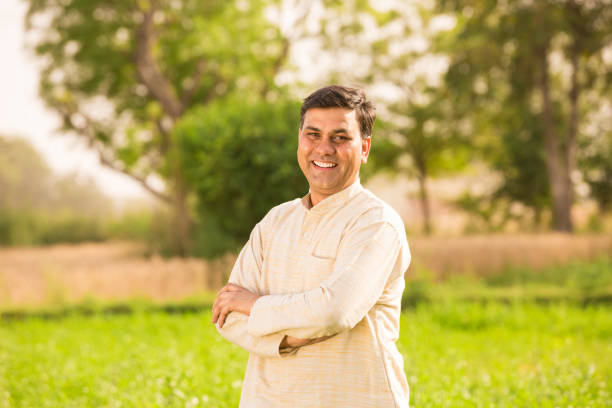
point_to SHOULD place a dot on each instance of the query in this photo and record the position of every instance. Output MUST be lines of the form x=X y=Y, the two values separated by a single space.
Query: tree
x=595 y=159
x=239 y=158
x=122 y=74
x=501 y=56
x=420 y=141
x=387 y=47
x=27 y=183
x=39 y=207
x=25 y=177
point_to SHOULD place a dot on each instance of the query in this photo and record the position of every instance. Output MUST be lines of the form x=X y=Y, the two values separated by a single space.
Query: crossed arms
x=370 y=254
x=234 y=298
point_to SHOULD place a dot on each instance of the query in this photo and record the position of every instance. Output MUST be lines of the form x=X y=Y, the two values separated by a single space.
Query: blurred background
x=168 y=129
x=141 y=140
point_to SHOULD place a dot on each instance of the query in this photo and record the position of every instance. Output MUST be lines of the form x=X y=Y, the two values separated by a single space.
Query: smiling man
x=315 y=293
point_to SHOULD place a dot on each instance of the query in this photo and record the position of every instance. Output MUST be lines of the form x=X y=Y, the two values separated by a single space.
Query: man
x=315 y=293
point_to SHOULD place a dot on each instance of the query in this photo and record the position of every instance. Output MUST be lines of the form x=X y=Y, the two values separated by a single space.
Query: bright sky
x=23 y=114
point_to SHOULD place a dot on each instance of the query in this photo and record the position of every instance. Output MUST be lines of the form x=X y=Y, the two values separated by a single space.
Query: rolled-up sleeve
x=370 y=254
x=245 y=273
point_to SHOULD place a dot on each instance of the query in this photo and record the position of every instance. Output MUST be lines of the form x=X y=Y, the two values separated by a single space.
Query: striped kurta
x=334 y=269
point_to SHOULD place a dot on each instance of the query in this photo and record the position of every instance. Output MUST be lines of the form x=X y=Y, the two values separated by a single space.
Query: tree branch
x=149 y=71
x=87 y=130
x=165 y=137
x=194 y=82
x=288 y=39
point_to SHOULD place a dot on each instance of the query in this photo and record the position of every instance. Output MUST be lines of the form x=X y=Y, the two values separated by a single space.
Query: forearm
x=304 y=316
x=235 y=331
x=271 y=345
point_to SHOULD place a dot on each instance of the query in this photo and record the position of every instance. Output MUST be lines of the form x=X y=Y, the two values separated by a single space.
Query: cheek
x=351 y=155
x=304 y=147
x=302 y=153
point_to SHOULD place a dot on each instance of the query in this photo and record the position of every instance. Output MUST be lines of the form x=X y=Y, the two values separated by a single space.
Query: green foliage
x=518 y=155
x=122 y=74
x=499 y=56
x=240 y=160
x=28 y=227
x=429 y=140
x=489 y=213
x=36 y=228
x=25 y=177
x=27 y=183
x=576 y=282
x=596 y=163
x=586 y=277
x=133 y=225
x=417 y=136
x=38 y=207
x=456 y=355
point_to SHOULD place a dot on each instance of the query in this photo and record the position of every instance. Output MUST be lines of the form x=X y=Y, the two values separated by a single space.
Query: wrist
x=252 y=303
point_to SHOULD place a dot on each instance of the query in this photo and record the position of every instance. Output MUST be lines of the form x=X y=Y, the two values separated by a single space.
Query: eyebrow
x=339 y=130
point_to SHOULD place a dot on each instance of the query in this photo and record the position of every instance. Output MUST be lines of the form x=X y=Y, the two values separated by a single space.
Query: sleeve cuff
x=257 y=318
x=271 y=344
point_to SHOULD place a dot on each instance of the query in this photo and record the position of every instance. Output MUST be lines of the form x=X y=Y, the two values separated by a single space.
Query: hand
x=232 y=298
x=293 y=342
x=289 y=341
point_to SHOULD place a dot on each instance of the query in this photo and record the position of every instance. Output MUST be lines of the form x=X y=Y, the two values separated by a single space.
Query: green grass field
x=456 y=355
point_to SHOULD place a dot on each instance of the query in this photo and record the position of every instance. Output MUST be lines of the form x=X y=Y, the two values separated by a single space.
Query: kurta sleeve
x=370 y=254
x=246 y=272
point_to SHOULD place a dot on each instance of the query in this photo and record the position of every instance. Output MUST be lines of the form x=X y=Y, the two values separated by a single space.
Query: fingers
x=222 y=316
x=230 y=287
x=215 y=310
x=221 y=308
x=218 y=304
x=223 y=303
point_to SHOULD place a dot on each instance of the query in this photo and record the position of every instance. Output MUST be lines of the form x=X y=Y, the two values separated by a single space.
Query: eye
x=340 y=139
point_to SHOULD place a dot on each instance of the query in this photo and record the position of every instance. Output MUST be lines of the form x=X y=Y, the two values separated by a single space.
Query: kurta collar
x=334 y=200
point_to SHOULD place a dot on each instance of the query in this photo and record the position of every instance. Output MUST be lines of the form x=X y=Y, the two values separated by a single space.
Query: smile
x=326 y=165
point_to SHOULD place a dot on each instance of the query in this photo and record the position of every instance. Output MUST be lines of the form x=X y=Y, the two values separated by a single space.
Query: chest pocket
x=316 y=269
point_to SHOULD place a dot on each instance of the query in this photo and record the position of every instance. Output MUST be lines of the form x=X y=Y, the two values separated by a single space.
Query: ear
x=365 y=149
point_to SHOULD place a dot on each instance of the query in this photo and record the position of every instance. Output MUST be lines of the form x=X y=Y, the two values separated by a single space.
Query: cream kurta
x=336 y=268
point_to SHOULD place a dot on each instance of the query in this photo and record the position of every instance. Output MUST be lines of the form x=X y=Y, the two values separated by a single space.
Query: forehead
x=335 y=118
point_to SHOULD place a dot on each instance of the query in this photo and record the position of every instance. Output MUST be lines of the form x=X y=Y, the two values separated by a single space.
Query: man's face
x=331 y=150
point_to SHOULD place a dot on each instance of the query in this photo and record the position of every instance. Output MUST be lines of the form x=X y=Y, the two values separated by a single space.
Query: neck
x=316 y=197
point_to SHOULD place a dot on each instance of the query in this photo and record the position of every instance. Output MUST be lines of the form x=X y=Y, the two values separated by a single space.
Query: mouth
x=324 y=164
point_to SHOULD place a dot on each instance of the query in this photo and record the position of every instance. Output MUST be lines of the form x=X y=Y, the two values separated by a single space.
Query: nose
x=325 y=147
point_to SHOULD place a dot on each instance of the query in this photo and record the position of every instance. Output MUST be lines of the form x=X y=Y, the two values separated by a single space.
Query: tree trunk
x=424 y=198
x=181 y=228
x=556 y=162
x=573 y=127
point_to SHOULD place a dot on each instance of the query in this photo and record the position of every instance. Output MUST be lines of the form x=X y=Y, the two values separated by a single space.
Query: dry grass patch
x=111 y=271
x=486 y=255
x=119 y=271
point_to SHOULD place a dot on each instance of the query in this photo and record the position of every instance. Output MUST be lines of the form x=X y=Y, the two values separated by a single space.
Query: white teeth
x=322 y=164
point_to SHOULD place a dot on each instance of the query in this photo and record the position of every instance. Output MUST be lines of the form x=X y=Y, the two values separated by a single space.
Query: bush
x=240 y=159
x=29 y=227
x=20 y=227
